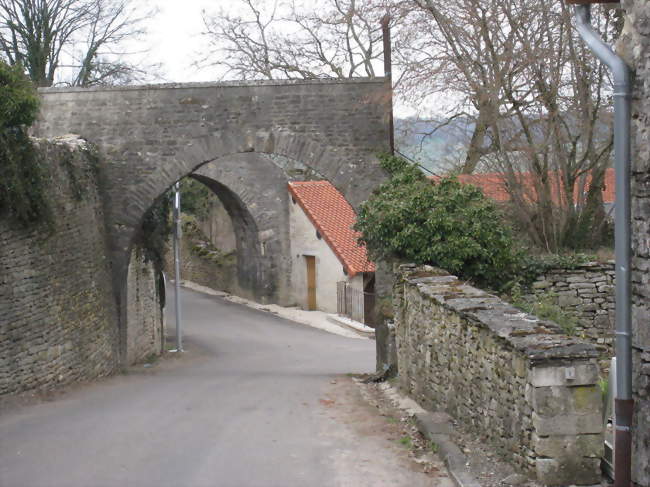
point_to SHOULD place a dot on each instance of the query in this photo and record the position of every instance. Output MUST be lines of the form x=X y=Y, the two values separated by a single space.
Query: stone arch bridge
x=152 y=136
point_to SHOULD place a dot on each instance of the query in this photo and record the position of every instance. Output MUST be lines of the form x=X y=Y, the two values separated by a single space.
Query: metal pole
x=624 y=403
x=177 y=264
x=388 y=73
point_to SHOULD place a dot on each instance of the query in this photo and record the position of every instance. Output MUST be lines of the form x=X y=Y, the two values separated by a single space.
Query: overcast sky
x=174 y=34
x=175 y=37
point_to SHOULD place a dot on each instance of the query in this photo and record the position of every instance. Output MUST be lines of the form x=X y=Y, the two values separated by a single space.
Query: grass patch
x=151 y=359
x=545 y=307
x=406 y=441
x=433 y=446
x=603 y=385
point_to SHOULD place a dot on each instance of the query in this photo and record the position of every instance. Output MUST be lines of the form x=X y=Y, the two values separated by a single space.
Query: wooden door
x=311 y=282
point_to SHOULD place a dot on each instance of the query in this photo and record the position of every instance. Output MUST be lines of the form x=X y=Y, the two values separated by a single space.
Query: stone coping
x=540 y=340
x=585 y=265
x=216 y=84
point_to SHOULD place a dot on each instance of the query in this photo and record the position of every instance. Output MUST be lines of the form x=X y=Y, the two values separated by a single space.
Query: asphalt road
x=242 y=407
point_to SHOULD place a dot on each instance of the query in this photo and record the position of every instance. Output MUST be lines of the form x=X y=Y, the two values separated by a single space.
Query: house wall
x=635 y=47
x=329 y=269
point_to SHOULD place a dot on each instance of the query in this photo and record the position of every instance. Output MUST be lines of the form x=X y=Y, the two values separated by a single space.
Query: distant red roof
x=493 y=185
x=333 y=217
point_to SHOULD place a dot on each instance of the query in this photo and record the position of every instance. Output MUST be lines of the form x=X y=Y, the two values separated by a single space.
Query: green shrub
x=445 y=224
x=18 y=98
x=23 y=173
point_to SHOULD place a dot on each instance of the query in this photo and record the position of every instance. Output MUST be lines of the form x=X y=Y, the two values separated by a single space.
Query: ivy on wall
x=157 y=226
x=23 y=174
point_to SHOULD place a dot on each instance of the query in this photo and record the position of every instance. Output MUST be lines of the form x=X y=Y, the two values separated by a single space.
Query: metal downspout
x=622 y=121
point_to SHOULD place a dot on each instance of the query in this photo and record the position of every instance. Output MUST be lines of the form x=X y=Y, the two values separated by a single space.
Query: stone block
x=602 y=321
x=589 y=307
x=568 y=446
x=551 y=401
x=571 y=375
x=566 y=300
x=582 y=285
x=576 y=279
x=519 y=366
x=568 y=424
x=584 y=471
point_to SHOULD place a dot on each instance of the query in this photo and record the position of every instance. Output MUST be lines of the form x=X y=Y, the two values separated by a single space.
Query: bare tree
x=536 y=100
x=338 y=39
x=83 y=37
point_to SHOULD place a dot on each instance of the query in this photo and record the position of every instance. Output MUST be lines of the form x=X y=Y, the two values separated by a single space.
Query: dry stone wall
x=635 y=46
x=505 y=376
x=57 y=314
x=58 y=318
x=587 y=291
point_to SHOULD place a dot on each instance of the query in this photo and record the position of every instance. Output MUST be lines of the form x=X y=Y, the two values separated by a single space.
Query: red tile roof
x=493 y=185
x=333 y=217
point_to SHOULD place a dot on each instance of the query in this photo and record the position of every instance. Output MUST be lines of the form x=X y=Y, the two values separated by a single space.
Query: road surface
x=248 y=404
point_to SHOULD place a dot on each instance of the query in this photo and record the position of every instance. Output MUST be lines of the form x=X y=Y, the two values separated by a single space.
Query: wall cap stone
x=540 y=340
x=213 y=84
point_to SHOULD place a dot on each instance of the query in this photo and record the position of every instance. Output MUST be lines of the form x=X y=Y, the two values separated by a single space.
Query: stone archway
x=152 y=136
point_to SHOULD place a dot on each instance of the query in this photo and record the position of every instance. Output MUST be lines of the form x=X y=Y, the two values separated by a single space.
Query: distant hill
x=435 y=146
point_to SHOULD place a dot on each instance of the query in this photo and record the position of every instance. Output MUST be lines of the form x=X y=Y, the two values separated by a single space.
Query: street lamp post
x=177 y=265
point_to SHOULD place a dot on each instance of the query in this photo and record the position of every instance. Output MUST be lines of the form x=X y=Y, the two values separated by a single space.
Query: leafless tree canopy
x=338 y=39
x=84 y=38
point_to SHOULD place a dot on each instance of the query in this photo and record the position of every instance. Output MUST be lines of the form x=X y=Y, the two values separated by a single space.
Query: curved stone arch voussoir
x=354 y=175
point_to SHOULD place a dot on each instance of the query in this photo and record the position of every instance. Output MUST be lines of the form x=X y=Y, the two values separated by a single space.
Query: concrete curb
x=315 y=319
x=437 y=429
x=355 y=326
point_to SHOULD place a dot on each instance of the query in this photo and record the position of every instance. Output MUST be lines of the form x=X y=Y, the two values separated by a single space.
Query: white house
x=324 y=248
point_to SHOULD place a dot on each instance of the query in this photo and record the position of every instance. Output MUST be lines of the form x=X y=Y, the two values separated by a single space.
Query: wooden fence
x=353 y=303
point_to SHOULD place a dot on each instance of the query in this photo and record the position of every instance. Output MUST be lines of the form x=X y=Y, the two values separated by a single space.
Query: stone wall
x=587 y=291
x=145 y=325
x=203 y=263
x=58 y=322
x=58 y=318
x=635 y=46
x=505 y=376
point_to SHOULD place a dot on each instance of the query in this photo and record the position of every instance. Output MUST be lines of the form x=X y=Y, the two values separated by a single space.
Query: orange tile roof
x=333 y=217
x=493 y=185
